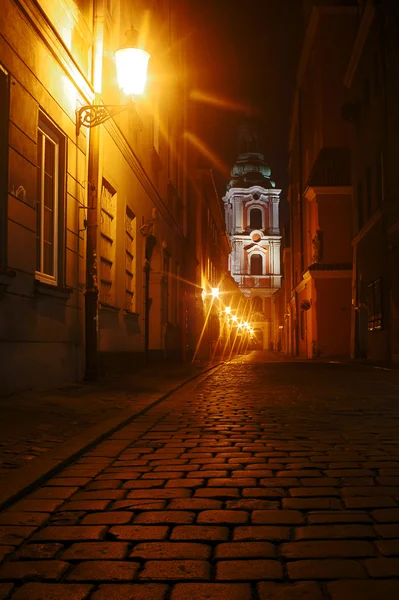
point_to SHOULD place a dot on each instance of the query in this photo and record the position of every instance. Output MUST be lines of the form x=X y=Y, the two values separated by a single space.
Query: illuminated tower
x=252 y=221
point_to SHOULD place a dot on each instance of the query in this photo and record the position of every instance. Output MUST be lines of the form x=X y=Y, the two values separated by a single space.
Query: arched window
x=256 y=304
x=255 y=218
x=256 y=264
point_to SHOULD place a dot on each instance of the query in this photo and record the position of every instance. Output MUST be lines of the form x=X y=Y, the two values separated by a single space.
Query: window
x=360 y=205
x=256 y=264
x=4 y=119
x=49 y=202
x=256 y=304
x=369 y=193
x=107 y=243
x=374 y=303
x=130 y=225
x=255 y=218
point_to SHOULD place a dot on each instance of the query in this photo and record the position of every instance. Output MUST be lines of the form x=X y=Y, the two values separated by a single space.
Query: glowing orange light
x=131 y=67
x=215 y=292
x=227 y=310
x=132 y=64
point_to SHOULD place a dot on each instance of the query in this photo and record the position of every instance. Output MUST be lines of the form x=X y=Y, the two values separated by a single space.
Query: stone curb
x=26 y=478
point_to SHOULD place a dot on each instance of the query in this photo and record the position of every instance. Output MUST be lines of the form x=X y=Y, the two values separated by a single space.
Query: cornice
x=37 y=19
x=335 y=190
x=333 y=274
x=248 y=191
x=246 y=238
x=362 y=33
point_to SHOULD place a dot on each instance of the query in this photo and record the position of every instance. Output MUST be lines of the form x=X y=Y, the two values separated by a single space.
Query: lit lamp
x=215 y=292
x=227 y=310
x=131 y=69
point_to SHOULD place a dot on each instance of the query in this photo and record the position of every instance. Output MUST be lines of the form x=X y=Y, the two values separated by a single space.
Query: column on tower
x=275 y=221
x=271 y=258
x=239 y=215
x=276 y=258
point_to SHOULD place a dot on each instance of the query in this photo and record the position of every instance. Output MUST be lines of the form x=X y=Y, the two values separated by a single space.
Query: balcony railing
x=258 y=281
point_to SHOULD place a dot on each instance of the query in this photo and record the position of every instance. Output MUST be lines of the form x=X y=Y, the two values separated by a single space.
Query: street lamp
x=131 y=65
x=131 y=69
x=215 y=292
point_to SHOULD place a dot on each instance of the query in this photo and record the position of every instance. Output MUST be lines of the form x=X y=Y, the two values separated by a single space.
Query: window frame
x=4 y=154
x=107 y=250
x=50 y=131
x=375 y=321
x=252 y=216
x=253 y=255
x=130 y=239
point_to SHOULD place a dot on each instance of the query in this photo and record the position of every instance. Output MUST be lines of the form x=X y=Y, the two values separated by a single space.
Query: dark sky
x=248 y=52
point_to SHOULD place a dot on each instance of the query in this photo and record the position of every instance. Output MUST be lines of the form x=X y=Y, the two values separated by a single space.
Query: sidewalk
x=40 y=429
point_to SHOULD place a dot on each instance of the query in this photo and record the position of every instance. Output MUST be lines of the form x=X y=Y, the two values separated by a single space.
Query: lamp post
x=131 y=70
x=131 y=66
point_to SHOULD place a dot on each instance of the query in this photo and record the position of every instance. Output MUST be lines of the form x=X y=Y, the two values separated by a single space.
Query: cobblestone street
x=264 y=481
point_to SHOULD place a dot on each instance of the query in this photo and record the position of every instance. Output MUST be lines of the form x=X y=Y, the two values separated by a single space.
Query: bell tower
x=251 y=206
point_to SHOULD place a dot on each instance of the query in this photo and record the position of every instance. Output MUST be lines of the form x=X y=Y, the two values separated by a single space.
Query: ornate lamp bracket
x=92 y=115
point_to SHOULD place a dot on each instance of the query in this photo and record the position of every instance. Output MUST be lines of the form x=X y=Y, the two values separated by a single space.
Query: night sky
x=247 y=52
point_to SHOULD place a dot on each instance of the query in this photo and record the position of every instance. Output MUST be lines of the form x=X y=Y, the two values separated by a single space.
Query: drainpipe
x=91 y=292
x=300 y=163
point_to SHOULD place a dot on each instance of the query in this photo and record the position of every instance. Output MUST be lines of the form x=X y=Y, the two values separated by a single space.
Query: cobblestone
x=52 y=591
x=212 y=591
x=283 y=475
x=143 y=591
x=248 y=570
x=176 y=570
x=104 y=570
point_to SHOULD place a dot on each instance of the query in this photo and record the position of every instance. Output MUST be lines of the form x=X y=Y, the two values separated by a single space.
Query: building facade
x=373 y=85
x=209 y=252
x=252 y=219
x=320 y=271
x=94 y=270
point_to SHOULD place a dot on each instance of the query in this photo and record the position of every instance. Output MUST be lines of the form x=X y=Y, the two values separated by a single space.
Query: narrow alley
x=258 y=481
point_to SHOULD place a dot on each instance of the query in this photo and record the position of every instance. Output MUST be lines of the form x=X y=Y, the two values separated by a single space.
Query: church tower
x=251 y=208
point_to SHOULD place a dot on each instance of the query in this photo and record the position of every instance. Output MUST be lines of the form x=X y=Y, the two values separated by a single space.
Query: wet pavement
x=267 y=480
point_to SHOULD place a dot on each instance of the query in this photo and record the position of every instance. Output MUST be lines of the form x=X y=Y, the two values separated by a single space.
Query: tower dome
x=251 y=167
